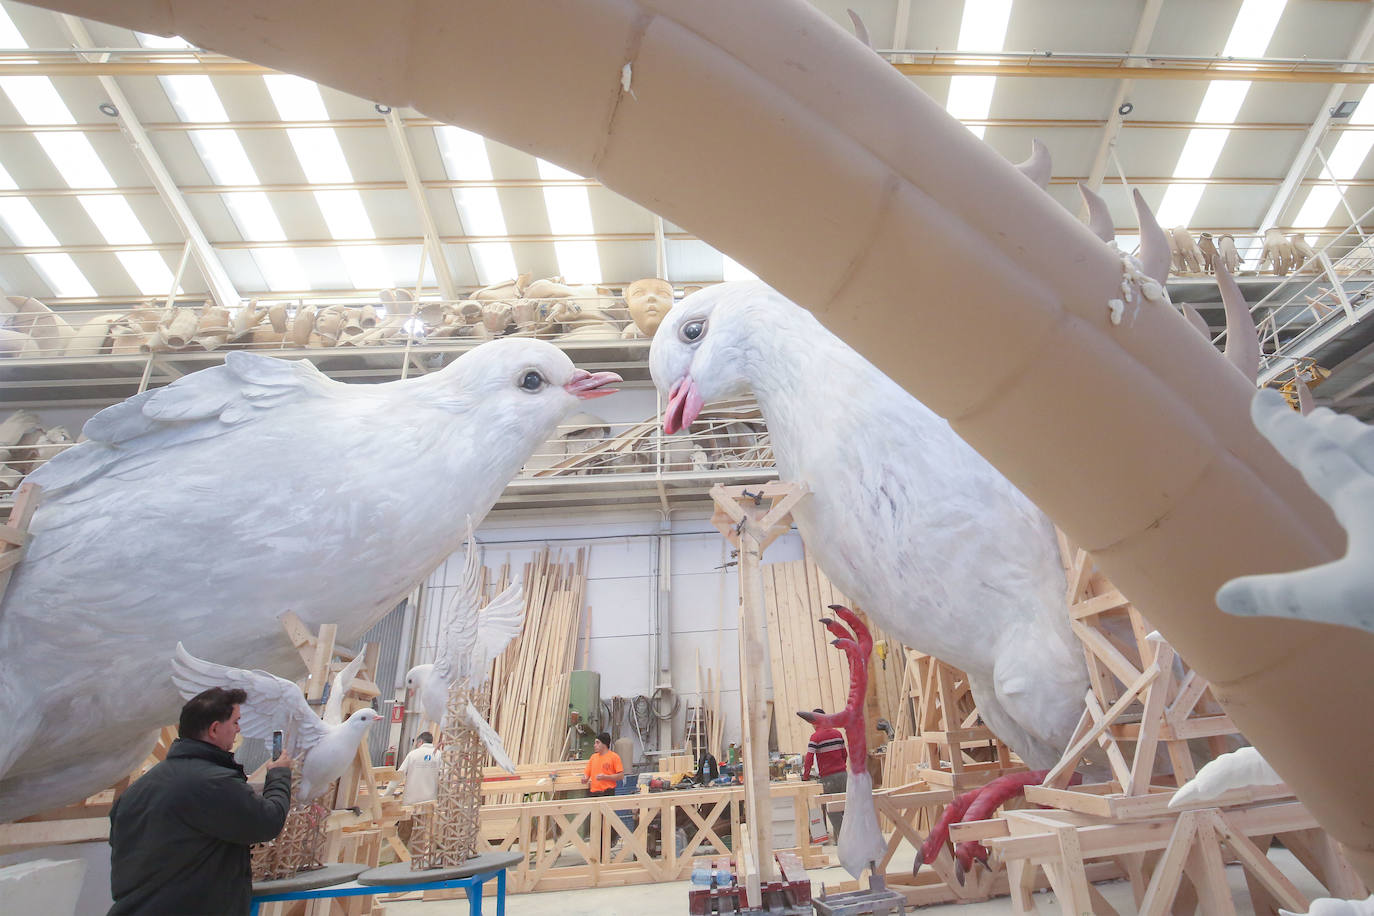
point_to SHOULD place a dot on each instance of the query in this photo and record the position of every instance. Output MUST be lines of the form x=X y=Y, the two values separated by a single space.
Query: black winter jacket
x=179 y=836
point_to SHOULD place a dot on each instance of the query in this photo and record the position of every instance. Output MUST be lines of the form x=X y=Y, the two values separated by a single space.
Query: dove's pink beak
x=587 y=385
x=684 y=404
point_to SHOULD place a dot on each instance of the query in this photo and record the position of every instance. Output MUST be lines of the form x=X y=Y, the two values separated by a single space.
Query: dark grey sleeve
x=230 y=810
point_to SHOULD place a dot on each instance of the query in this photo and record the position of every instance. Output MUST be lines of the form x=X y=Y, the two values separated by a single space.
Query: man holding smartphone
x=180 y=835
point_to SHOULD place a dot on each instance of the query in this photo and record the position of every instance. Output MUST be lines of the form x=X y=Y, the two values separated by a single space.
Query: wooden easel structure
x=946 y=729
x=750 y=519
x=1143 y=698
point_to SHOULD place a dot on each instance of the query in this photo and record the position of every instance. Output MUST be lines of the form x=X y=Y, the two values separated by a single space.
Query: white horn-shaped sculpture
x=1130 y=435
x=1038 y=166
x=1305 y=402
x=860 y=30
x=1196 y=320
x=1242 y=342
x=1156 y=254
x=1099 y=217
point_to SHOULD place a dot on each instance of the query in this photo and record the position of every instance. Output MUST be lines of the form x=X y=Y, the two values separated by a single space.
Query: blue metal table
x=472 y=883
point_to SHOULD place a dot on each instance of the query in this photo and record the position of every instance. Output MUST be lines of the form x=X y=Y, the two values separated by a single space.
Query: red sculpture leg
x=857 y=646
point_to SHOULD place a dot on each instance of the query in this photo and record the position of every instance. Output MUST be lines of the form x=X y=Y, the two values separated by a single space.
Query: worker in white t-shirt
x=420 y=772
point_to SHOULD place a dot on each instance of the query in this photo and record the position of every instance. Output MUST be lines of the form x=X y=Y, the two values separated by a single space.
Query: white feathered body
x=904 y=517
x=204 y=511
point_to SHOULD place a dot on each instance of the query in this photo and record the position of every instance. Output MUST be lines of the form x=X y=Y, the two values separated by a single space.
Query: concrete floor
x=655 y=899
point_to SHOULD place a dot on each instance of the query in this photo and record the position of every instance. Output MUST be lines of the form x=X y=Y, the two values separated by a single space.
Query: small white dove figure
x=470 y=638
x=325 y=746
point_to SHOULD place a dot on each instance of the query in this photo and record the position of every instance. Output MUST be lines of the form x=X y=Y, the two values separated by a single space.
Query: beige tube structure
x=777 y=137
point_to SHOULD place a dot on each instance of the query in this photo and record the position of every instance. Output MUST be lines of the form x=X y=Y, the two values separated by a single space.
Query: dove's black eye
x=531 y=381
x=692 y=331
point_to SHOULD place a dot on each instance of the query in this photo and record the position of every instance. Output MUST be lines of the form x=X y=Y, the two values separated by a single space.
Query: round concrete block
x=400 y=873
x=328 y=876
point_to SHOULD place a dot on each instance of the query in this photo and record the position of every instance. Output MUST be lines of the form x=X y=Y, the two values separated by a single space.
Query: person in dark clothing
x=180 y=835
x=708 y=769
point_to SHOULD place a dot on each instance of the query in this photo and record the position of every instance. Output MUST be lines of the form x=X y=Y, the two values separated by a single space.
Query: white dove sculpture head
x=531 y=382
x=701 y=351
x=416 y=676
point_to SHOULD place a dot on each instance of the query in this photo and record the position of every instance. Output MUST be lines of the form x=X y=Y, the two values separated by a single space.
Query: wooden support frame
x=750 y=525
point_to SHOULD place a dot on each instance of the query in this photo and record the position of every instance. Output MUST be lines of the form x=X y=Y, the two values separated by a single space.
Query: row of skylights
x=1250 y=35
x=983 y=28
x=1343 y=163
x=465 y=159
x=71 y=153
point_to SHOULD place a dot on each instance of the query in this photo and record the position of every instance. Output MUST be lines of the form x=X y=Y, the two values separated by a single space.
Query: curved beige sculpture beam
x=776 y=136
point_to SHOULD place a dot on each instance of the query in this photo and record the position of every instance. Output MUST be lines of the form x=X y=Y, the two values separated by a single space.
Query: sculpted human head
x=648 y=301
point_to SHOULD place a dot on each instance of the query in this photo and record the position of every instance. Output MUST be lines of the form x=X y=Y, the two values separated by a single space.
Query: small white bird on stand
x=323 y=748
x=470 y=639
x=304 y=494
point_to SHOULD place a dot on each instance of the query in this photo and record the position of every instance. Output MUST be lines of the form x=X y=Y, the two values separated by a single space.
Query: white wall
x=621 y=588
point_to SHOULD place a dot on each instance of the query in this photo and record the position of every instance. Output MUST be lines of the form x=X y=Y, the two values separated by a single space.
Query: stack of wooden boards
x=530 y=679
x=808 y=672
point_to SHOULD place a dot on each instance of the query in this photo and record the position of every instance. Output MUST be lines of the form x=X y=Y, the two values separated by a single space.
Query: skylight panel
x=367 y=266
x=296 y=98
x=224 y=157
x=149 y=272
x=578 y=262
x=194 y=98
x=115 y=219
x=1343 y=164
x=570 y=213
x=254 y=216
x=62 y=274
x=161 y=41
x=36 y=100
x=75 y=158
x=9 y=34
x=344 y=214
x=23 y=224
x=1250 y=34
x=320 y=155
x=280 y=269
x=734 y=270
x=465 y=159
x=983 y=28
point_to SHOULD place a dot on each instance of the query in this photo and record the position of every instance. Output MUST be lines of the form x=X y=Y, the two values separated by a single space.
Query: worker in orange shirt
x=604 y=769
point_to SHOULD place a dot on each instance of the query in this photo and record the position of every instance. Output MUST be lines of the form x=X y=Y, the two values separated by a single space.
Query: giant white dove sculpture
x=904 y=517
x=202 y=511
x=470 y=639
x=325 y=745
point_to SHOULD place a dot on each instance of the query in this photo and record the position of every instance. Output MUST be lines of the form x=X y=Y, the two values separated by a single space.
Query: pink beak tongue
x=587 y=385
x=684 y=405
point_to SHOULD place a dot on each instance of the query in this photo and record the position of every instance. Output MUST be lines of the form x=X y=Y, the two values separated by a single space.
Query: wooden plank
x=1168 y=873
x=1257 y=863
x=1063 y=770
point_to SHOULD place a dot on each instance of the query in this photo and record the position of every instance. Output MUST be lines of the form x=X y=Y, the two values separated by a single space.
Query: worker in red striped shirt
x=826 y=749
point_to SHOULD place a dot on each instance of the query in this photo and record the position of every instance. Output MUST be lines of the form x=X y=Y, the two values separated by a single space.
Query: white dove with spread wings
x=470 y=638
x=324 y=746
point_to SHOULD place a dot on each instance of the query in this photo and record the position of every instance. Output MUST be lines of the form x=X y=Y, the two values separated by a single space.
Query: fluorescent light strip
x=1250 y=35
x=465 y=159
x=983 y=28
x=570 y=213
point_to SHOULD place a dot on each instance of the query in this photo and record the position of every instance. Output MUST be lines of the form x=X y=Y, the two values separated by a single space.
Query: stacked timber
x=530 y=679
x=797 y=595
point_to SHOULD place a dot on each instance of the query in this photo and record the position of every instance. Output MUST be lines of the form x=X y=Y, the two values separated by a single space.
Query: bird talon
x=959 y=872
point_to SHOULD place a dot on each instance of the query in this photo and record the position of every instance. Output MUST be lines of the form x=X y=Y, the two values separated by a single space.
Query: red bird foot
x=976 y=805
x=857 y=646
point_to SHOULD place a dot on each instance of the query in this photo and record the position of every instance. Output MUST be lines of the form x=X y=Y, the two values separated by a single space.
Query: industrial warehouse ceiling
x=113 y=144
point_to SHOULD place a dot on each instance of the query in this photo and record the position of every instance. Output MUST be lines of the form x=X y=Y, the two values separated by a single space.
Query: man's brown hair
x=208 y=707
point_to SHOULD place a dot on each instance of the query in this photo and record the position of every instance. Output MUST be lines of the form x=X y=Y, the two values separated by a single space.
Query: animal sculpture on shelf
x=306 y=494
x=1335 y=454
x=1240 y=769
x=860 y=842
x=470 y=638
x=904 y=517
x=325 y=745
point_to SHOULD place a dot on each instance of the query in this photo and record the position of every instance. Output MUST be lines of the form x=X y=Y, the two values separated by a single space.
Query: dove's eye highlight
x=532 y=381
x=692 y=331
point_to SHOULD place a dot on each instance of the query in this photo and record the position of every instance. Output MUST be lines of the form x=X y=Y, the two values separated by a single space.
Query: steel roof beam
x=401 y=144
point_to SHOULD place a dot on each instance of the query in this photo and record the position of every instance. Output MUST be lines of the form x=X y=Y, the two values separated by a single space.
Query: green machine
x=584 y=712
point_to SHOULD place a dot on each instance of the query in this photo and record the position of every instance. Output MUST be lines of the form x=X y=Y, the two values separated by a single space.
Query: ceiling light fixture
x=1345 y=109
x=107 y=109
x=1125 y=109
x=382 y=109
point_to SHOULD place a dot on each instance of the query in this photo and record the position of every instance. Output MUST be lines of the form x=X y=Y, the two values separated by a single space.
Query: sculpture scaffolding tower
x=446 y=835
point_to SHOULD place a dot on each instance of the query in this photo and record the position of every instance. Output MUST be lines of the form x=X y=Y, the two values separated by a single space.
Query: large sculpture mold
x=837 y=181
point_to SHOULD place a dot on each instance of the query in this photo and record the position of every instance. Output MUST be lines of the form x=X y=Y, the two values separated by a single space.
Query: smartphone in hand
x=276 y=744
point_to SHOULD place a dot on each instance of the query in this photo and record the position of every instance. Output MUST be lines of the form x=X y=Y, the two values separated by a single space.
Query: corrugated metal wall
x=387 y=634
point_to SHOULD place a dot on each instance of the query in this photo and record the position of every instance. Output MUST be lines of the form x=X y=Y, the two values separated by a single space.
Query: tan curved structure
x=777 y=137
